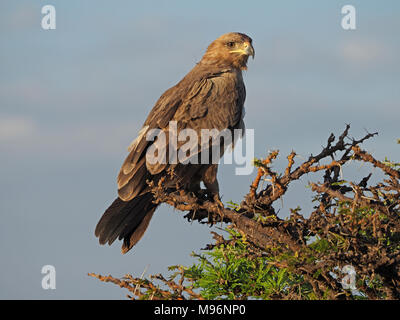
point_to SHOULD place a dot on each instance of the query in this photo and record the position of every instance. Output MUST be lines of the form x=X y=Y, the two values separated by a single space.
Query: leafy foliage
x=231 y=271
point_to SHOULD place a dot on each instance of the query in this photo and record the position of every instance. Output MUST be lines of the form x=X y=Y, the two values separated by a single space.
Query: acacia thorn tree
x=348 y=247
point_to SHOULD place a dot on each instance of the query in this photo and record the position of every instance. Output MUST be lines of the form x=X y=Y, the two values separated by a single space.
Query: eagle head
x=231 y=49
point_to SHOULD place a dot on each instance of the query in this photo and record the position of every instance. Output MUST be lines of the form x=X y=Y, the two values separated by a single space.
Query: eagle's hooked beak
x=247 y=49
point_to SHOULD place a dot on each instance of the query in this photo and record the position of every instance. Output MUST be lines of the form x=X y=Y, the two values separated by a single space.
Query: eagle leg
x=211 y=183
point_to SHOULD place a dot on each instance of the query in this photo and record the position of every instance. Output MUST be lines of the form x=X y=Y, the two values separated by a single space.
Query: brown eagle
x=210 y=96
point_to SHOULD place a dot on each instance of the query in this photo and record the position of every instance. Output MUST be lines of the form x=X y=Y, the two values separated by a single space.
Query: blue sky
x=72 y=99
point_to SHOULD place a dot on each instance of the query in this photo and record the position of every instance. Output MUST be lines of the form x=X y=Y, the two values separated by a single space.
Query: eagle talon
x=219 y=205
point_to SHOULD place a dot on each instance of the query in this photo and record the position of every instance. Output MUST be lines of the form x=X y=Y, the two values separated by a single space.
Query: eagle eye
x=230 y=44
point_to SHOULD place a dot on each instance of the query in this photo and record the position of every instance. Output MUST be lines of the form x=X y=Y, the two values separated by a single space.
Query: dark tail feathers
x=127 y=220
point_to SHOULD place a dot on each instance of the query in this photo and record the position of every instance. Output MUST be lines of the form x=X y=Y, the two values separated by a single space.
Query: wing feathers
x=135 y=184
x=202 y=100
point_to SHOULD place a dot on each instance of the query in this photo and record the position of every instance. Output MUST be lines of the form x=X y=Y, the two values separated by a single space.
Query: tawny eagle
x=210 y=96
